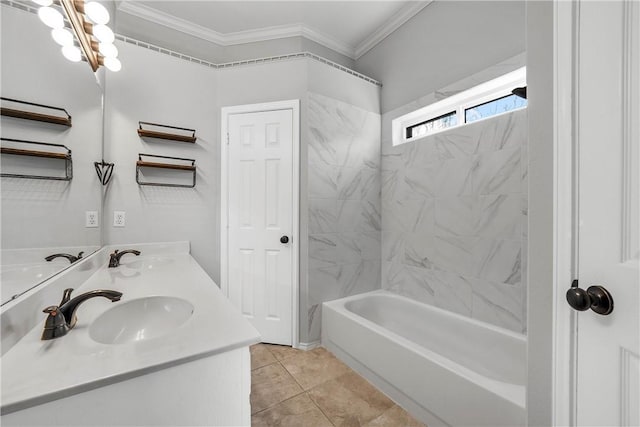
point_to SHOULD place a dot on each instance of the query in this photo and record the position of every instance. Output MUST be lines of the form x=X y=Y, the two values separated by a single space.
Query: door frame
x=294 y=106
x=566 y=220
x=552 y=51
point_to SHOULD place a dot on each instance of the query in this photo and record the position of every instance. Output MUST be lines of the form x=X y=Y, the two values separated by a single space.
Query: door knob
x=596 y=298
x=284 y=239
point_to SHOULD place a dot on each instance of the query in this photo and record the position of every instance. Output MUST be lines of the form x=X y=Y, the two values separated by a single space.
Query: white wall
x=162 y=89
x=443 y=43
x=45 y=213
x=320 y=50
x=274 y=81
x=344 y=87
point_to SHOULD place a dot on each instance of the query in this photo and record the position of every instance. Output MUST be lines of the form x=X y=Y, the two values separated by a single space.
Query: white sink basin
x=140 y=319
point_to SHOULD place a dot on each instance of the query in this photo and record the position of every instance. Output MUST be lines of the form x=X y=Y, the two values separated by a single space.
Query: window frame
x=480 y=94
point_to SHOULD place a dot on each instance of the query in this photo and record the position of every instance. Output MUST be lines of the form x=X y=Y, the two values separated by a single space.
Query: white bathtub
x=444 y=368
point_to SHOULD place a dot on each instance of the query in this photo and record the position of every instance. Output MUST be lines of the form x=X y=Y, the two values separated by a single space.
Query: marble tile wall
x=454 y=219
x=344 y=211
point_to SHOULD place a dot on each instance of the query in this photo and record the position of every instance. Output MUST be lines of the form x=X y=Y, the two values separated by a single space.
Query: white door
x=260 y=223
x=608 y=91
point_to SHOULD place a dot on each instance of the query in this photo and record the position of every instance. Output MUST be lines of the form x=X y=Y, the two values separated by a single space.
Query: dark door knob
x=596 y=298
x=284 y=239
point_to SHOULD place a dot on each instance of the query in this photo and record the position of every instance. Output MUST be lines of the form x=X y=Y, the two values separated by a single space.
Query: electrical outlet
x=118 y=218
x=91 y=219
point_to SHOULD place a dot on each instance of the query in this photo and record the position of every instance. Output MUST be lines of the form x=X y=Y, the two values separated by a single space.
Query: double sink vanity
x=169 y=350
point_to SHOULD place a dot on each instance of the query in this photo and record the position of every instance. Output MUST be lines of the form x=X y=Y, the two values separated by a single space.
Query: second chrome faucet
x=114 y=258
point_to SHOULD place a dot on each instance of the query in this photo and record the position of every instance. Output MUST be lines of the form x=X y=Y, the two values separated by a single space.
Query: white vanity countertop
x=36 y=371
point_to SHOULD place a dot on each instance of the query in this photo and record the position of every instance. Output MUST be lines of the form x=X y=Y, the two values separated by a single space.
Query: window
x=480 y=102
x=442 y=122
x=494 y=107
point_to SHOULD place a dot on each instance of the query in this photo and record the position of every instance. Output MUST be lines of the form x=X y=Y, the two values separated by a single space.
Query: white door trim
x=565 y=218
x=551 y=50
x=294 y=106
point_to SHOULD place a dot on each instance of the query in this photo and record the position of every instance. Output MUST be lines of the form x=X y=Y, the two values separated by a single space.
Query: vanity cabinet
x=213 y=391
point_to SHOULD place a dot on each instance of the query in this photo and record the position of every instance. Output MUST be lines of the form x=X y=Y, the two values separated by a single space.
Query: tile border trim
x=289 y=56
x=20 y=5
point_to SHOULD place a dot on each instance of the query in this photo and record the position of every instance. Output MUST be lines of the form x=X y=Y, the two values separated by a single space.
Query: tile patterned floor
x=298 y=388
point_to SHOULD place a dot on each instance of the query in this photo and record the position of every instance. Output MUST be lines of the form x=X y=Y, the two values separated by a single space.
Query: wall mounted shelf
x=184 y=165
x=172 y=136
x=10 y=111
x=66 y=156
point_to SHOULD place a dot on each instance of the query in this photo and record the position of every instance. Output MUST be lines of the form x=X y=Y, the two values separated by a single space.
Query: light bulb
x=51 y=17
x=96 y=12
x=113 y=64
x=72 y=53
x=43 y=2
x=62 y=36
x=103 y=33
x=108 y=50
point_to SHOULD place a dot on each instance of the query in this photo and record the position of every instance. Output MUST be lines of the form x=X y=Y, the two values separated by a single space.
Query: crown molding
x=150 y=14
x=329 y=42
x=395 y=22
x=229 y=39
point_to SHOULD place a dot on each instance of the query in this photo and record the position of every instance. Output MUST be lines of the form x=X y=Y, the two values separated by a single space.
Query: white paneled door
x=608 y=132
x=260 y=220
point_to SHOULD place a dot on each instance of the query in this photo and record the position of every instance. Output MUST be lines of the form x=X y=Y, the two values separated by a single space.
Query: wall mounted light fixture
x=88 y=22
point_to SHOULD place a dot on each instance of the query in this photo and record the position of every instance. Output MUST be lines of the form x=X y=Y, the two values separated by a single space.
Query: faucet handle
x=66 y=296
x=55 y=326
x=52 y=310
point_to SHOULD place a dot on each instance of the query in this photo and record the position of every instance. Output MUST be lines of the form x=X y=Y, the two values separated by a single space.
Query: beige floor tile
x=296 y=412
x=270 y=385
x=395 y=417
x=350 y=400
x=282 y=351
x=311 y=368
x=261 y=356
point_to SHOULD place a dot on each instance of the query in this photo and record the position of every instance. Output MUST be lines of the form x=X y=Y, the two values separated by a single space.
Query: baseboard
x=308 y=345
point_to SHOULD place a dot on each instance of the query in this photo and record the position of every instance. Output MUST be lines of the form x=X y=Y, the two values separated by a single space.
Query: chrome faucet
x=114 y=258
x=62 y=318
x=71 y=258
